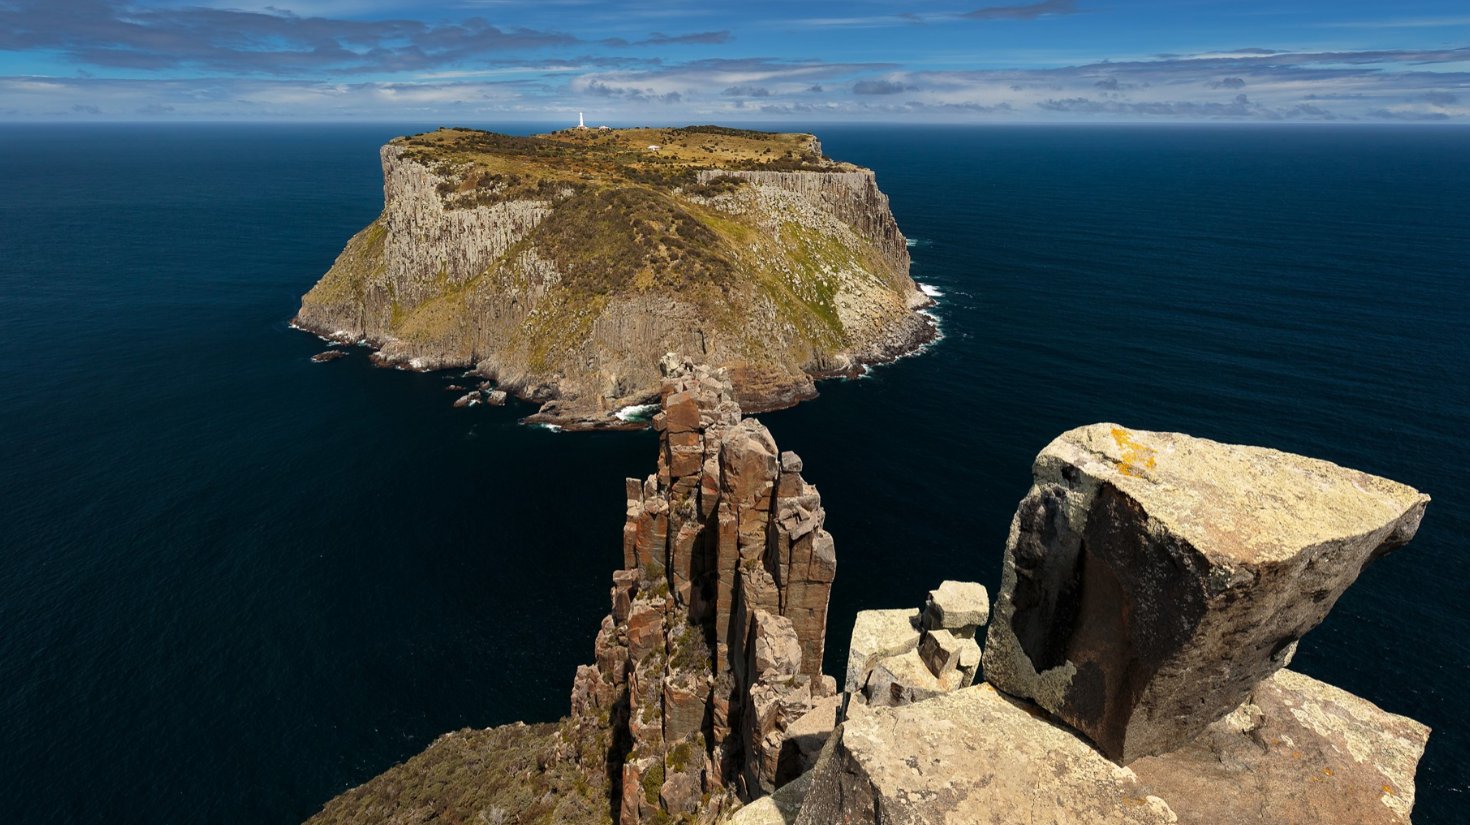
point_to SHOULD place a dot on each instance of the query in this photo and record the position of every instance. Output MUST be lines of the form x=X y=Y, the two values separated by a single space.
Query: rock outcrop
x=1151 y=580
x=1298 y=751
x=709 y=664
x=1153 y=560
x=898 y=657
x=564 y=265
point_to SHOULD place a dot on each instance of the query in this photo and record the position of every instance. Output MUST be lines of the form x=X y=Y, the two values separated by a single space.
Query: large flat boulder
x=965 y=758
x=877 y=635
x=1299 y=751
x=1152 y=579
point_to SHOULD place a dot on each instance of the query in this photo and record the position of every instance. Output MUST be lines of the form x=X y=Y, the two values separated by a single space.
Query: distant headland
x=562 y=266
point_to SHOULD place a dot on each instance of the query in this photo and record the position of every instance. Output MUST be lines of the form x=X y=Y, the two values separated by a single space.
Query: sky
x=680 y=61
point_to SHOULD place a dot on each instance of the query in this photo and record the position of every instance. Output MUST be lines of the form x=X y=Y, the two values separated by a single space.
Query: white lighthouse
x=581 y=124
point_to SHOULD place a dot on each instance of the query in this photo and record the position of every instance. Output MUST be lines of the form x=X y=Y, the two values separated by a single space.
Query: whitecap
x=636 y=412
x=931 y=291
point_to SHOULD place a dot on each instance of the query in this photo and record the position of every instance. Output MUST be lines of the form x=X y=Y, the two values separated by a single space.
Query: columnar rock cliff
x=709 y=665
x=563 y=266
x=1154 y=586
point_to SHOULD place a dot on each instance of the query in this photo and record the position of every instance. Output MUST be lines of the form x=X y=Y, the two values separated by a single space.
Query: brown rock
x=1298 y=751
x=645 y=630
x=1152 y=579
x=681 y=413
x=680 y=793
x=959 y=607
x=905 y=679
x=805 y=738
x=945 y=653
x=877 y=635
x=971 y=757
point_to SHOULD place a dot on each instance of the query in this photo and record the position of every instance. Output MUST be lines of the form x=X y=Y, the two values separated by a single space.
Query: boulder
x=805 y=738
x=945 y=653
x=496 y=398
x=966 y=758
x=1152 y=579
x=780 y=808
x=1298 y=750
x=469 y=399
x=329 y=355
x=876 y=635
x=959 y=607
x=905 y=679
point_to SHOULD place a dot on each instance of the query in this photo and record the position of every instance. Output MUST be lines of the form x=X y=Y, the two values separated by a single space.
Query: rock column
x=709 y=665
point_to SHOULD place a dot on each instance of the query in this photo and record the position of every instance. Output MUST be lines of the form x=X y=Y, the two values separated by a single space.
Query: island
x=562 y=266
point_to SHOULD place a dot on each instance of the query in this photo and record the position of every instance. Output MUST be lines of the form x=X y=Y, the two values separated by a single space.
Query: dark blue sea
x=234 y=583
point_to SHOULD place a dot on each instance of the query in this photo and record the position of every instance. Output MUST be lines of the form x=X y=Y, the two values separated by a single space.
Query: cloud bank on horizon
x=670 y=61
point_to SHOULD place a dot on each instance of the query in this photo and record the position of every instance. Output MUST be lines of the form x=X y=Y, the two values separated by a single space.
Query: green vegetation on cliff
x=565 y=265
x=524 y=774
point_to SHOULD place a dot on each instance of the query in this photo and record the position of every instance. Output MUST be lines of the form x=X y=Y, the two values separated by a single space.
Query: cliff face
x=1133 y=670
x=564 y=266
x=709 y=666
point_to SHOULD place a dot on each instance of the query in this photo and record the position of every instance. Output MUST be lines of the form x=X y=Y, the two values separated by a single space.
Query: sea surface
x=234 y=582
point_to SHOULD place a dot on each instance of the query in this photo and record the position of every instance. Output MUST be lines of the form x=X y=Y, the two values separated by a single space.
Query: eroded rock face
x=1298 y=751
x=781 y=278
x=1152 y=579
x=708 y=667
x=970 y=756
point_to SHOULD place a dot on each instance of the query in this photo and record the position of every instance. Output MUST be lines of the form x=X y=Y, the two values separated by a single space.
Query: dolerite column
x=1152 y=579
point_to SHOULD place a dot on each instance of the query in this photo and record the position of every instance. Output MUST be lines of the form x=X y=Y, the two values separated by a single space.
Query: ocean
x=234 y=583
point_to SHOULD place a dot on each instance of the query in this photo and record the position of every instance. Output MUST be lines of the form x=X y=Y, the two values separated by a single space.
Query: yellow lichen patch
x=1388 y=791
x=1136 y=458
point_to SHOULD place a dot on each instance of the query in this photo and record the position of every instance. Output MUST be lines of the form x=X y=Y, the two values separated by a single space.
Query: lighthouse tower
x=581 y=124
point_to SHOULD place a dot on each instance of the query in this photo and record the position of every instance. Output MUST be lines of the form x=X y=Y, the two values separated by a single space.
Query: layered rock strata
x=564 y=265
x=709 y=665
x=1151 y=580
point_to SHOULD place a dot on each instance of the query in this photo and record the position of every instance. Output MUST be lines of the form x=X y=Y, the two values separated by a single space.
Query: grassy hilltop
x=565 y=264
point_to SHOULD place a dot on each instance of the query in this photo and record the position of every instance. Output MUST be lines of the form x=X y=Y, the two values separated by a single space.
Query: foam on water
x=636 y=412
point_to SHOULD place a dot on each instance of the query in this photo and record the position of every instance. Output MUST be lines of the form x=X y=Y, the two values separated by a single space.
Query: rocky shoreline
x=566 y=279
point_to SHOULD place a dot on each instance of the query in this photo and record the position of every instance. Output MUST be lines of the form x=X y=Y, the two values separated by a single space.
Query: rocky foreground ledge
x=563 y=266
x=1154 y=587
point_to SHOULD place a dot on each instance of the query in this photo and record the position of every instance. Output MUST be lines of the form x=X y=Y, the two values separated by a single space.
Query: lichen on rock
x=1152 y=579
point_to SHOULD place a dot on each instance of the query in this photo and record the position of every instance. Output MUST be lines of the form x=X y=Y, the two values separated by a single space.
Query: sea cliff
x=1134 y=669
x=563 y=266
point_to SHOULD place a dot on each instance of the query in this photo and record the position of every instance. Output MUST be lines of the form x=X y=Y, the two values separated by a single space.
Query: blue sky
x=672 y=61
